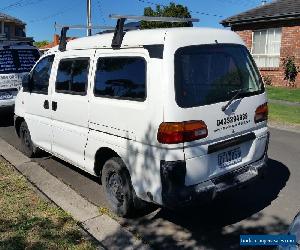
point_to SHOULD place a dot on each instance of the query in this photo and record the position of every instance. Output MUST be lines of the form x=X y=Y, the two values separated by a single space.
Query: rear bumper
x=175 y=194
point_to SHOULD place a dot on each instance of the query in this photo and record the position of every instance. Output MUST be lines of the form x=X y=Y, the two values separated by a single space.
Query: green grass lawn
x=286 y=94
x=284 y=114
x=29 y=222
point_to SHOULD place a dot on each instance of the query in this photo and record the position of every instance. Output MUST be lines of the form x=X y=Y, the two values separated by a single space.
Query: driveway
x=267 y=206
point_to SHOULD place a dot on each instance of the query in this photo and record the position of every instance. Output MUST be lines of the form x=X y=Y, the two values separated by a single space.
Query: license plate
x=5 y=96
x=230 y=157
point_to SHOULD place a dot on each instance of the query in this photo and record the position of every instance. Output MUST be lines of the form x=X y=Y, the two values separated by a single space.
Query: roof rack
x=119 y=30
x=65 y=28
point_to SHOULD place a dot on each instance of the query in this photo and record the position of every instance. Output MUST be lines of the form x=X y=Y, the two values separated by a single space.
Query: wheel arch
x=103 y=155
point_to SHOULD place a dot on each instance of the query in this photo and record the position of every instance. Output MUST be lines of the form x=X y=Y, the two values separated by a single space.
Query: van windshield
x=17 y=60
x=207 y=74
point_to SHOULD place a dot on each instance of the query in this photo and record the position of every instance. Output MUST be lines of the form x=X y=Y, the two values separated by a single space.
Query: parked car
x=16 y=60
x=173 y=116
x=294 y=230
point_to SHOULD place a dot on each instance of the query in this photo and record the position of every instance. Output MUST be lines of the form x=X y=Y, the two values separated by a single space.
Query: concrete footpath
x=103 y=228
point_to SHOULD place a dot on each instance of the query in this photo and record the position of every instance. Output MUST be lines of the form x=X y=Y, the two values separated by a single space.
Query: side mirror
x=26 y=83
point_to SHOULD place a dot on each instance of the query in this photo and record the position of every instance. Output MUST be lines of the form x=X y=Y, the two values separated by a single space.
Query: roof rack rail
x=155 y=18
x=79 y=26
x=119 y=30
x=65 y=28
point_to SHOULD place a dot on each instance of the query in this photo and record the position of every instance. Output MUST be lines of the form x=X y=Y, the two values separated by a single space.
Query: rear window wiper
x=237 y=92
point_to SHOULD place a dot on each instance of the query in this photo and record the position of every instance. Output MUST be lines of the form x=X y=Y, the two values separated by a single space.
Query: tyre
x=27 y=146
x=117 y=185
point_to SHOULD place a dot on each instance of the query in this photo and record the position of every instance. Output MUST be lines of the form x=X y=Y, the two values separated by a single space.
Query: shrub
x=290 y=70
x=267 y=80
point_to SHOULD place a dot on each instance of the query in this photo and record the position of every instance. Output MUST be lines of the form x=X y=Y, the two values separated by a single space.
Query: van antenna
x=119 y=30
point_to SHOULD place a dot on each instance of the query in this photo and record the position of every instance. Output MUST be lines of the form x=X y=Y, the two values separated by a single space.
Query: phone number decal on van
x=232 y=122
x=232 y=119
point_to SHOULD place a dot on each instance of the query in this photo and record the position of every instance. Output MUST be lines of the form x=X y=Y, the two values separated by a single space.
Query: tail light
x=178 y=132
x=261 y=113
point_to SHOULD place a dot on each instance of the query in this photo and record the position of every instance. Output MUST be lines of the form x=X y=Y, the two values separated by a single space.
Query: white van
x=16 y=60
x=172 y=116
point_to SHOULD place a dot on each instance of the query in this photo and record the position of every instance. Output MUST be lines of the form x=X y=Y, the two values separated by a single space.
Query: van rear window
x=121 y=77
x=208 y=74
x=17 y=60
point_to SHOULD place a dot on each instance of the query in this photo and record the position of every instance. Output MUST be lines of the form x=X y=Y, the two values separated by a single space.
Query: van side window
x=72 y=76
x=41 y=74
x=121 y=77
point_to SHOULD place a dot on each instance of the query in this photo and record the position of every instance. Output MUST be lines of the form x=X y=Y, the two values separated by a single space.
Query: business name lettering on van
x=11 y=80
x=12 y=77
x=232 y=121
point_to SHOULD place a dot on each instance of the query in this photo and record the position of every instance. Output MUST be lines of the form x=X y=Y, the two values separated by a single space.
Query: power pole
x=89 y=17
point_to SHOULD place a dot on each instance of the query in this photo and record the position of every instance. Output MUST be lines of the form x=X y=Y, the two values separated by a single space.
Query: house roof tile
x=10 y=18
x=276 y=10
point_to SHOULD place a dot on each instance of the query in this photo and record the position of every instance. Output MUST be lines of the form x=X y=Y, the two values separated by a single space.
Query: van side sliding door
x=69 y=105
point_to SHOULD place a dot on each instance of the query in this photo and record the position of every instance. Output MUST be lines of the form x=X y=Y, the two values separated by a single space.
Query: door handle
x=54 y=106
x=46 y=104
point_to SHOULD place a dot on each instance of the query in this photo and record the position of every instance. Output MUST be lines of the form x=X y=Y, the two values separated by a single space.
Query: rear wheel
x=117 y=186
x=27 y=146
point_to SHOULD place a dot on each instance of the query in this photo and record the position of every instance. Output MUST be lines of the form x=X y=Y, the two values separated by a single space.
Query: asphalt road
x=267 y=206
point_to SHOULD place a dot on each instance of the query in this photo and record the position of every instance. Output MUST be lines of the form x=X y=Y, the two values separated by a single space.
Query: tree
x=172 y=10
x=41 y=43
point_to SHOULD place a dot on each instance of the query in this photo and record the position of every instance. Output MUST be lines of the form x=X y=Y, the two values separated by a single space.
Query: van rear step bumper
x=176 y=195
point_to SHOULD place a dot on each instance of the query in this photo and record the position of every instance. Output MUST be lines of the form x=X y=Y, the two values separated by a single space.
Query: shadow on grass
x=38 y=233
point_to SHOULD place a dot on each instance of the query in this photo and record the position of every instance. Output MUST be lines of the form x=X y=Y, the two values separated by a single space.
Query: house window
x=7 y=30
x=266 y=47
x=19 y=31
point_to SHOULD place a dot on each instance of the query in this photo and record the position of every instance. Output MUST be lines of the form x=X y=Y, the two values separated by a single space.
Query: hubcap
x=26 y=138
x=115 y=188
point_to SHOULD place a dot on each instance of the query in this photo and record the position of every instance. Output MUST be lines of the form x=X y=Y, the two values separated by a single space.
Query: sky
x=41 y=15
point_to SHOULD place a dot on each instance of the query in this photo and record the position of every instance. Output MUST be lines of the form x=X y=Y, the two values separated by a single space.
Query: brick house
x=12 y=29
x=54 y=43
x=272 y=33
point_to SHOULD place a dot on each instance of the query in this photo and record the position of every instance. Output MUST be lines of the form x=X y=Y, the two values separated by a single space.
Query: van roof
x=139 y=38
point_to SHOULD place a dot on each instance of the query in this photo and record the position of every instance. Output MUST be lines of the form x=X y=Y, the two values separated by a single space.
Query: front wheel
x=117 y=186
x=28 y=147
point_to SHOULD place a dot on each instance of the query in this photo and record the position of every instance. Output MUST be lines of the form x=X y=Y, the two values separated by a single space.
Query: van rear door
x=220 y=85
